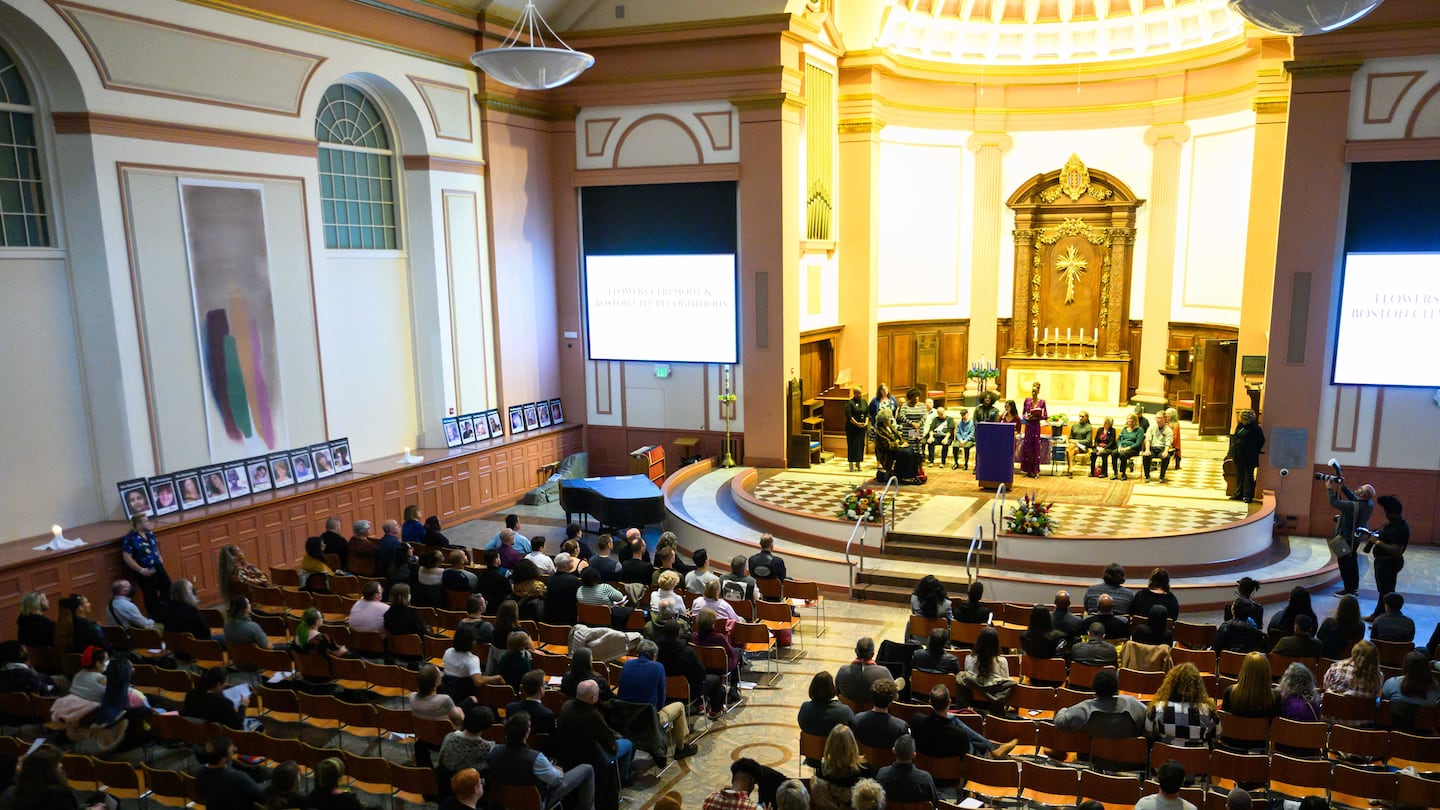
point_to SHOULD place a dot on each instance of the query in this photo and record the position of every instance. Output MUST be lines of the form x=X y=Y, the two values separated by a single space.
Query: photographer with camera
x=1388 y=549
x=1355 y=508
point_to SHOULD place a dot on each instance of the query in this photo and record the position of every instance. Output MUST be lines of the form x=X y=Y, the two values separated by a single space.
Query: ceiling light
x=535 y=66
x=1301 y=17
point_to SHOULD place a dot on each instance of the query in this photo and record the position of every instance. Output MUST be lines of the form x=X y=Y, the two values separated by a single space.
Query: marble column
x=986 y=242
x=1164 y=141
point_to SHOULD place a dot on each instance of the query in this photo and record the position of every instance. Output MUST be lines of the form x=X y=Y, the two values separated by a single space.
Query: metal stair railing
x=862 y=527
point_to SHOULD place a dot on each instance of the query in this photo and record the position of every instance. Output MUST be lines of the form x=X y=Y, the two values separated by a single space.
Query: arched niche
x=1074 y=245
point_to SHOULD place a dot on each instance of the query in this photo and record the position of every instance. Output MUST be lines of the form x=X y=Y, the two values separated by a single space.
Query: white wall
x=819 y=291
x=1213 y=216
x=925 y=222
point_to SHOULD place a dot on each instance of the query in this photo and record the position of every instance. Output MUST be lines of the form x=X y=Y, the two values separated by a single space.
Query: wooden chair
x=1043 y=671
x=1298 y=778
x=777 y=616
x=1141 y=685
x=1229 y=770
x=592 y=615
x=1023 y=730
x=370 y=774
x=1124 y=755
x=343 y=585
x=946 y=771
x=497 y=696
x=1241 y=733
x=1050 y=785
x=389 y=680
x=1367 y=745
x=877 y=758
x=1081 y=676
x=1114 y=792
x=997 y=779
x=717 y=661
x=1009 y=636
x=771 y=589
x=1413 y=750
x=168 y=788
x=79 y=771
x=964 y=634
x=254 y=658
x=812 y=749
x=1194 y=759
x=514 y=797
x=752 y=638
x=282 y=705
x=201 y=653
x=554 y=665
x=1354 y=710
x=414 y=785
x=1392 y=653
x=1064 y=746
x=1035 y=702
x=367 y=643
x=1194 y=635
x=555 y=638
x=284 y=577
x=1298 y=739
x=1417 y=791
x=1230 y=663
x=920 y=627
x=809 y=596
x=1204 y=660
x=922 y=682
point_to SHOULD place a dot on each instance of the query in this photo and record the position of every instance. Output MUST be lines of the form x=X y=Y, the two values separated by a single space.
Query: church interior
x=1140 y=206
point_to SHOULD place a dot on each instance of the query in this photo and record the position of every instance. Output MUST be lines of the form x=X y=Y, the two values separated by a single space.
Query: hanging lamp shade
x=1303 y=17
x=536 y=66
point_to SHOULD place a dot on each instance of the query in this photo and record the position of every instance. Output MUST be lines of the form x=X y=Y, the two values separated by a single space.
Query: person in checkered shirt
x=744 y=777
x=1182 y=712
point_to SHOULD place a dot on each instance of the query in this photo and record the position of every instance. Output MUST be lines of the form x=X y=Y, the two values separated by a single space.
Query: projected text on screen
x=673 y=308
x=1389 y=320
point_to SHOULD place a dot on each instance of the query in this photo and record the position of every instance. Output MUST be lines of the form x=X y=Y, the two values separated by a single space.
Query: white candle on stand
x=1067 y=334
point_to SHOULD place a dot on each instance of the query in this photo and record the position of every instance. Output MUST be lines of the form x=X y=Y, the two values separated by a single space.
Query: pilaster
x=985 y=243
x=1165 y=142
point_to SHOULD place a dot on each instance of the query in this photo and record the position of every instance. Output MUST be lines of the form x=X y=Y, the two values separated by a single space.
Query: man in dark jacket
x=1115 y=626
x=765 y=565
x=1239 y=634
x=516 y=763
x=560 y=591
x=1303 y=644
x=1095 y=650
x=1062 y=619
x=581 y=720
x=532 y=687
x=678 y=658
x=221 y=786
x=335 y=542
x=877 y=728
x=1355 y=508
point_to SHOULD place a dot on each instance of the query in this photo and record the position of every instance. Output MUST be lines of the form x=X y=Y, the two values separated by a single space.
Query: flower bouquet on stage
x=1031 y=516
x=862 y=503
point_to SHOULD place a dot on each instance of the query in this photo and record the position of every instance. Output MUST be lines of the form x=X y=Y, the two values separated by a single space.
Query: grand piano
x=618 y=501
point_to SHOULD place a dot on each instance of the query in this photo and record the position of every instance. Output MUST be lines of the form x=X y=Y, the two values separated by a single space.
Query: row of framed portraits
x=475 y=427
x=206 y=486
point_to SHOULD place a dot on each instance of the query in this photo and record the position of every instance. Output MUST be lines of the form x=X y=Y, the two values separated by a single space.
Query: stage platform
x=1186 y=525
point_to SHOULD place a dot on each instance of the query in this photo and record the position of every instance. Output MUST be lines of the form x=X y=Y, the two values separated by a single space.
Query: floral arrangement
x=863 y=502
x=982 y=371
x=1031 y=516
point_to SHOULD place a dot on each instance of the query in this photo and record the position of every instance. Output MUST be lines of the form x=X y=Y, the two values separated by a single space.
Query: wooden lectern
x=649 y=461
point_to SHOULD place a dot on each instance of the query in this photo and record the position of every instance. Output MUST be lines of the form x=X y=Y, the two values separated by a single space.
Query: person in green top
x=1131 y=438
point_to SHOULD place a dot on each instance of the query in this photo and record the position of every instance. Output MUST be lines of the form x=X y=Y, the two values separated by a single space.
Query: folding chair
x=1241 y=733
x=1229 y=770
x=168 y=788
x=1414 y=751
x=716 y=661
x=922 y=682
x=1123 y=755
x=1141 y=685
x=1043 y=671
x=281 y=705
x=1048 y=784
x=1358 y=745
x=359 y=719
x=349 y=673
x=1115 y=792
x=1194 y=635
x=771 y=589
x=1298 y=778
x=1194 y=759
x=808 y=595
x=1009 y=636
x=1362 y=787
x=920 y=627
x=743 y=608
x=751 y=638
x=514 y=797
x=1350 y=710
x=1081 y=676
x=1229 y=663
x=777 y=616
x=997 y=779
x=1298 y=739
x=1417 y=791
x=119 y=779
x=1063 y=746
x=1204 y=660
x=414 y=785
x=1023 y=730
x=1035 y=702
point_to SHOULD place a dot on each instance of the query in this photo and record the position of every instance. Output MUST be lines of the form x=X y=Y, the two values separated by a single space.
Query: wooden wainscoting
x=609 y=446
x=1418 y=490
x=922 y=353
x=455 y=484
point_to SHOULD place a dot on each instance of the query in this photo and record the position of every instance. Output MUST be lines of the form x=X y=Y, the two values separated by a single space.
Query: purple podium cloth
x=994 y=454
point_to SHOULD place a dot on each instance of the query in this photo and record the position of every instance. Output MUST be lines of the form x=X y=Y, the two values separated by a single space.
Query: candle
x=407 y=451
x=1047 y=334
x=55 y=530
x=1067 y=334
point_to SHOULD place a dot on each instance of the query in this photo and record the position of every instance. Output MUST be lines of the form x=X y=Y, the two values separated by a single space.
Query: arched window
x=22 y=197
x=357 y=185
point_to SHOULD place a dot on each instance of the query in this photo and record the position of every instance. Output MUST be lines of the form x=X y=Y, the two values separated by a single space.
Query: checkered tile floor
x=822 y=490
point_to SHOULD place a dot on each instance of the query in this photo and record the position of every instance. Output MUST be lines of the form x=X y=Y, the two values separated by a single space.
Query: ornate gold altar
x=1074 y=248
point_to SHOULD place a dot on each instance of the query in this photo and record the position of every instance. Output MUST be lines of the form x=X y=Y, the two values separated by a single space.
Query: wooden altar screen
x=1074 y=245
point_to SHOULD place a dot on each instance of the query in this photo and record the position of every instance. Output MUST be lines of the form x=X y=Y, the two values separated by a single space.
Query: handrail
x=999 y=499
x=862 y=527
x=887 y=526
x=974 y=544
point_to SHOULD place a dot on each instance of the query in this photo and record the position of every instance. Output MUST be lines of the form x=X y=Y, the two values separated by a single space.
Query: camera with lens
x=1369 y=536
x=1329 y=479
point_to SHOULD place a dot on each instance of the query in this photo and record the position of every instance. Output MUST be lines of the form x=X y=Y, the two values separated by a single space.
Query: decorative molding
x=645 y=119
x=1371 y=93
x=120 y=126
x=113 y=72
x=719 y=129
x=425 y=86
x=1269 y=106
x=990 y=140
x=1322 y=68
x=1392 y=149
x=1419 y=108
x=641 y=175
x=514 y=106
x=768 y=101
x=433 y=163
x=597 y=131
x=860 y=126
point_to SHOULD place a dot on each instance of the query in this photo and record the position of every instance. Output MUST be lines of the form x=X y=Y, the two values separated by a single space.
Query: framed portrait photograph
x=517 y=420
x=340 y=454
x=467 y=430
x=135 y=497
x=301 y=467
x=236 y=479
x=163 y=497
x=451 y=426
x=542 y=411
x=323 y=461
x=497 y=427
x=557 y=413
x=212 y=484
x=482 y=427
x=187 y=486
x=532 y=419
x=280 y=473
x=259 y=470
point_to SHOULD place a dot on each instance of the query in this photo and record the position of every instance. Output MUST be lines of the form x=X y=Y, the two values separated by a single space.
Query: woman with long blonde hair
x=1182 y=712
x=1357 y=675
x=840 y=769
x=1251 y=695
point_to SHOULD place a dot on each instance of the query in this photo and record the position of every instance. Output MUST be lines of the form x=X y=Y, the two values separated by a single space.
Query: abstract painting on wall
x=235 y=317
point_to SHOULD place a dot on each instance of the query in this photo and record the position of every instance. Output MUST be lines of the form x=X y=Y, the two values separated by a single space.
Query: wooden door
x=1214 y=376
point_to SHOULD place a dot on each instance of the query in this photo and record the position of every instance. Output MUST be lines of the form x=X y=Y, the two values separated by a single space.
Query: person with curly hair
x=929 y=599
x=1182 y=712
x=1298 y=698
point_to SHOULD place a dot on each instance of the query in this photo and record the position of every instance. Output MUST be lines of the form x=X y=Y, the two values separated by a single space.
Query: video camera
x=1337 y=478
